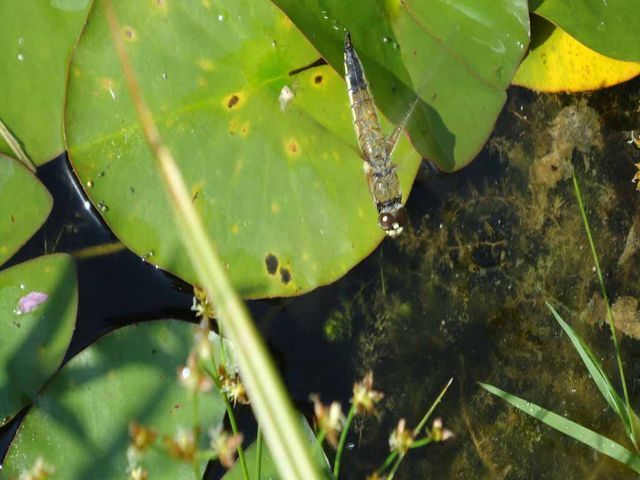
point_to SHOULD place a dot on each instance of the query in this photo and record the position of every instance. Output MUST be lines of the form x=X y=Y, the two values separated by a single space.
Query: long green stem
x=394 y=455
x=234 y=429
x=195 y=427
x=343 y=439
x=230 y=413
x=421 y=443
x=259 y=453
x=393 y=471
x=614 y=337
x=388 y=461
x=271 y=405
x=426 y=416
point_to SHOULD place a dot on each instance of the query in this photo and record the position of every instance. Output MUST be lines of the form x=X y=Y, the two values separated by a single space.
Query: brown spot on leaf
x=129 y=33
x=285 y=275
x=317 y=79
x=272 y=263
x=233 y=101
x=292 y=147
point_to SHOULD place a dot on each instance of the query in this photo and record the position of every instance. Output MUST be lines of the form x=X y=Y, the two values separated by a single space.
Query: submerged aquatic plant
x=622 y=407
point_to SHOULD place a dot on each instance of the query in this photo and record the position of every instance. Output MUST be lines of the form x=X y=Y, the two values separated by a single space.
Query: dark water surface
x=460 y=295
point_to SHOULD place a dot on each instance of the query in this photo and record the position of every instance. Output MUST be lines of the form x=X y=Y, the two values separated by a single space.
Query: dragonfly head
x=392 y=220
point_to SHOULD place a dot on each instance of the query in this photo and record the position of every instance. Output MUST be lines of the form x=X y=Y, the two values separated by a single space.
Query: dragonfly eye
x=401 y=216
x=393 y=222
x=386 y=220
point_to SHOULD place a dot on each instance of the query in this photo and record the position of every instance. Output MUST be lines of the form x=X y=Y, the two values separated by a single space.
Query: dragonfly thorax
x=384 y=185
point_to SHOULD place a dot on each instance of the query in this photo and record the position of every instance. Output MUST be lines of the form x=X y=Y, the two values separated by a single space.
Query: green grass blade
x=631 y=423
x=572 y=429
x=269 y=400
x=597 y=373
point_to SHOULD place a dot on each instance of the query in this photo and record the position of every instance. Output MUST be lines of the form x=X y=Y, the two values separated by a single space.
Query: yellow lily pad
x=557 y=62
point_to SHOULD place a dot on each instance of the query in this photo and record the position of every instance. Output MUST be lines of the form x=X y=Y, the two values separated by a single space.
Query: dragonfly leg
x=392 y=139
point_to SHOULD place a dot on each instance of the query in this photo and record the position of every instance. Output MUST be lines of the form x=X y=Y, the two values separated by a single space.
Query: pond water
x=461 y=295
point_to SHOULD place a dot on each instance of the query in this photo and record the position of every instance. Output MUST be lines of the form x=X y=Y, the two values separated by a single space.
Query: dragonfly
x=375 y=147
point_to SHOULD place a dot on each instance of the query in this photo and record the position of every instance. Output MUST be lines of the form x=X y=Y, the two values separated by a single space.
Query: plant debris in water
x=463 y=291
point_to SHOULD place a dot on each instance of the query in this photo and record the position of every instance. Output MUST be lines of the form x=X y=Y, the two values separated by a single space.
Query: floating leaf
x=34 y=342
x=37 y=38
x=281 y=190
x=609 y=27
x=556 y=62
x=24 y=206
x=459 y=58
x=79 y=423
x=574 y=430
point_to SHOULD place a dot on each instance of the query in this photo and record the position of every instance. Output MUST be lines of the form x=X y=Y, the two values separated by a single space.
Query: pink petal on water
x=30 y=302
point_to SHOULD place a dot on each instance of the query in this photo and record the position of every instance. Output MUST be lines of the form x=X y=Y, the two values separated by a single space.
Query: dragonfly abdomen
x=365 y=116
x=370 y=137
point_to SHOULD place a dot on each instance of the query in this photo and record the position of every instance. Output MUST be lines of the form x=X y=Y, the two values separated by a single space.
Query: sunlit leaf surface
x=279 y=184
x=459 y=58
x=24 y=206
x=36 y=38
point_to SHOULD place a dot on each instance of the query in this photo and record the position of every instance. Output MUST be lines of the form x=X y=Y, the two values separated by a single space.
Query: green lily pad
x=24 y=206
x=79 y=422
x=35 y=329
x=609 y=27
x=37 y=38
x=268 y=469
x=280 y=187
x=458 y=57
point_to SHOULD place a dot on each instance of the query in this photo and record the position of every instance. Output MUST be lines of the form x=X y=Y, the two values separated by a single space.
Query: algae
x=462 y=293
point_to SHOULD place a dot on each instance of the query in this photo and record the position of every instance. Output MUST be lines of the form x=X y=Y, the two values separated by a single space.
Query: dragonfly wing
x=392 y=140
